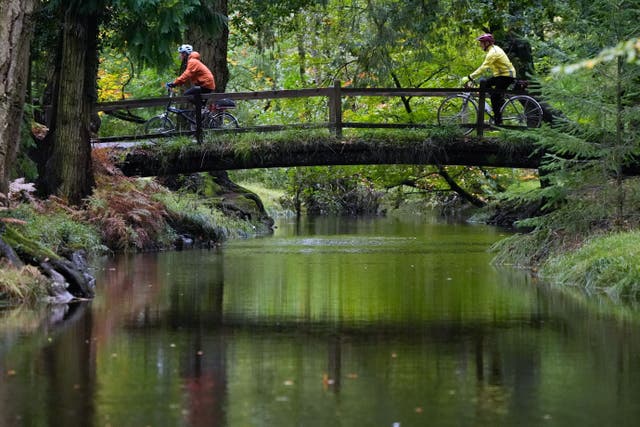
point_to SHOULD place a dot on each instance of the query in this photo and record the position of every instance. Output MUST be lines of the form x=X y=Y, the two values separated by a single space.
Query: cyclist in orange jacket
x=503 y=72
x=196 y=72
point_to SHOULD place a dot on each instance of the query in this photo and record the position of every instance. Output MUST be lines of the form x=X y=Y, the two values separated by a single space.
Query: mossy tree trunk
x=213 y=46
x=15 y=33
x=68 y=171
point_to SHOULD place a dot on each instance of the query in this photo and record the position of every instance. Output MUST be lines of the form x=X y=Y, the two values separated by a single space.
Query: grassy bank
x=603 y=264
x=271 y=198
x=122 y=215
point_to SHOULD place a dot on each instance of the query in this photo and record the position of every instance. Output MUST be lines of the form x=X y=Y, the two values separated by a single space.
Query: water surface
x=329 y=322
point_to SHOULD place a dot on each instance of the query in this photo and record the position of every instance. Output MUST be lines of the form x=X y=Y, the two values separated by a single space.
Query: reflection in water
x=363 y=323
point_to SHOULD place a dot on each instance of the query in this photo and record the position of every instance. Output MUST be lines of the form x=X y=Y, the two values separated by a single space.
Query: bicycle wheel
x=158 y=124
x=221 y=121
x=459 y=109
x=522 y=111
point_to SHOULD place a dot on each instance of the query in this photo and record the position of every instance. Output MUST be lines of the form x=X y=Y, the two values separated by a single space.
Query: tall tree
x=209 y=33
x=149 y=29
x=68 y=171
x=15 y=33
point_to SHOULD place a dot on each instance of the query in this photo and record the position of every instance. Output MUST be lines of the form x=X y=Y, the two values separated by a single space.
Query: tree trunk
x=15 y=33
x=213 y=47
x=68 y=172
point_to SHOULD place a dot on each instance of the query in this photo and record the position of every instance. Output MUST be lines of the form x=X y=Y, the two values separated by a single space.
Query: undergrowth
x=57 y=226
x=608 y=264
x=123 y=214
x=194 y=215
x=26 y=284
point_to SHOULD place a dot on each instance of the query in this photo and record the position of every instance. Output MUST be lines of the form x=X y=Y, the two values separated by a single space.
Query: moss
x=57 y=230
x=198 y=217
x=272 y=198
x=27 y=247
x=211 y=188
x=242 y=143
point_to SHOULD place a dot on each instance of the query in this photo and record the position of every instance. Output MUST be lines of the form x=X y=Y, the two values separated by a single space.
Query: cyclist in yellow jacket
x=504 y=74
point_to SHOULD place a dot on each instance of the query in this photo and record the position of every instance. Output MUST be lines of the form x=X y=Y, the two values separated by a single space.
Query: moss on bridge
x=225 y=151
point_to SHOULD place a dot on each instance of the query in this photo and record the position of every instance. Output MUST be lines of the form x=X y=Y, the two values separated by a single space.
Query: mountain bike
x=518 y=111
x=214 y=116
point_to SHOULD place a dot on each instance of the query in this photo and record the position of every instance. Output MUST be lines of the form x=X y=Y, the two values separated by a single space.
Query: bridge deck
x=162 y=159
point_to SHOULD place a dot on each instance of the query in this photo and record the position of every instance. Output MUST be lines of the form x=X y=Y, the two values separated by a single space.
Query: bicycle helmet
x=486 y=37
x=186 y=48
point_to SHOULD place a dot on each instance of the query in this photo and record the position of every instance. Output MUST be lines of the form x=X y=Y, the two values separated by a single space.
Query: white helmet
x=186 y=48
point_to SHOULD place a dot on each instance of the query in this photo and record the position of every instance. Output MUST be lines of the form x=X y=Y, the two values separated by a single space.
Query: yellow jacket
x=497 y=61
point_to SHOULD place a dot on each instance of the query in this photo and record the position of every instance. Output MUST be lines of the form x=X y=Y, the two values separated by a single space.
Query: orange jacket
x=197 y=73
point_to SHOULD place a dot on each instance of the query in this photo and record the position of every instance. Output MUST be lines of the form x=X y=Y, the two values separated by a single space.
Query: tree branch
x=459 y=190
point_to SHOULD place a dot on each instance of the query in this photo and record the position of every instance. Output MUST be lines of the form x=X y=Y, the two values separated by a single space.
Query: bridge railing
x=334 y=95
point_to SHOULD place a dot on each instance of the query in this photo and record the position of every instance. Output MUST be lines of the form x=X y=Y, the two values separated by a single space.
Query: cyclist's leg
x=499 y=84
x=197 y=90
x=194 y=93
x=486 y=83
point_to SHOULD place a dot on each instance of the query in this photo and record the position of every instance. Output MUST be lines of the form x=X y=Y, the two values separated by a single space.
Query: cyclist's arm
x=488 y=61
x=185 y=76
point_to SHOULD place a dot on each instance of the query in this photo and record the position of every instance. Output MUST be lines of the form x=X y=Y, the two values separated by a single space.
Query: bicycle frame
x=185 y=113
x=188 y=114
x=487 y=105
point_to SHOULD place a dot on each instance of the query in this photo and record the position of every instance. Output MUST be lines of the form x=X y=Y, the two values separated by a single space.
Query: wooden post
x=481 y=106
x=198 y=116
x=335 y=109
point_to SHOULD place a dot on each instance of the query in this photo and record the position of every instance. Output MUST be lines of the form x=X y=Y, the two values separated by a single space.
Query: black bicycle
x=214 y=116
x=518 y=111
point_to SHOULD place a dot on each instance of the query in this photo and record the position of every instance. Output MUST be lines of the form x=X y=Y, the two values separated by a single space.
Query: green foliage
x=56 y=228
x=333 y=190
x=22 y=285
x=199 y=217
x=572 y=217
x=152 y=30
x=272 y=178
x=607 y=264
x=586 y=191
x=256 y=21
x=272 y=197
x=360 y=43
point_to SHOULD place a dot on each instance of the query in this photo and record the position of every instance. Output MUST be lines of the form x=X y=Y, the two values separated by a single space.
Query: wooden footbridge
x=408 y=143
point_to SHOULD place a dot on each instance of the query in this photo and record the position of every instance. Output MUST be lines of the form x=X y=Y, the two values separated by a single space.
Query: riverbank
x=127 y=215
x=45 y=243
x=604 y=261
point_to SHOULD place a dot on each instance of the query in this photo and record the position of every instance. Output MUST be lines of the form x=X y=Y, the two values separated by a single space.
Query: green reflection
x=408 y=274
